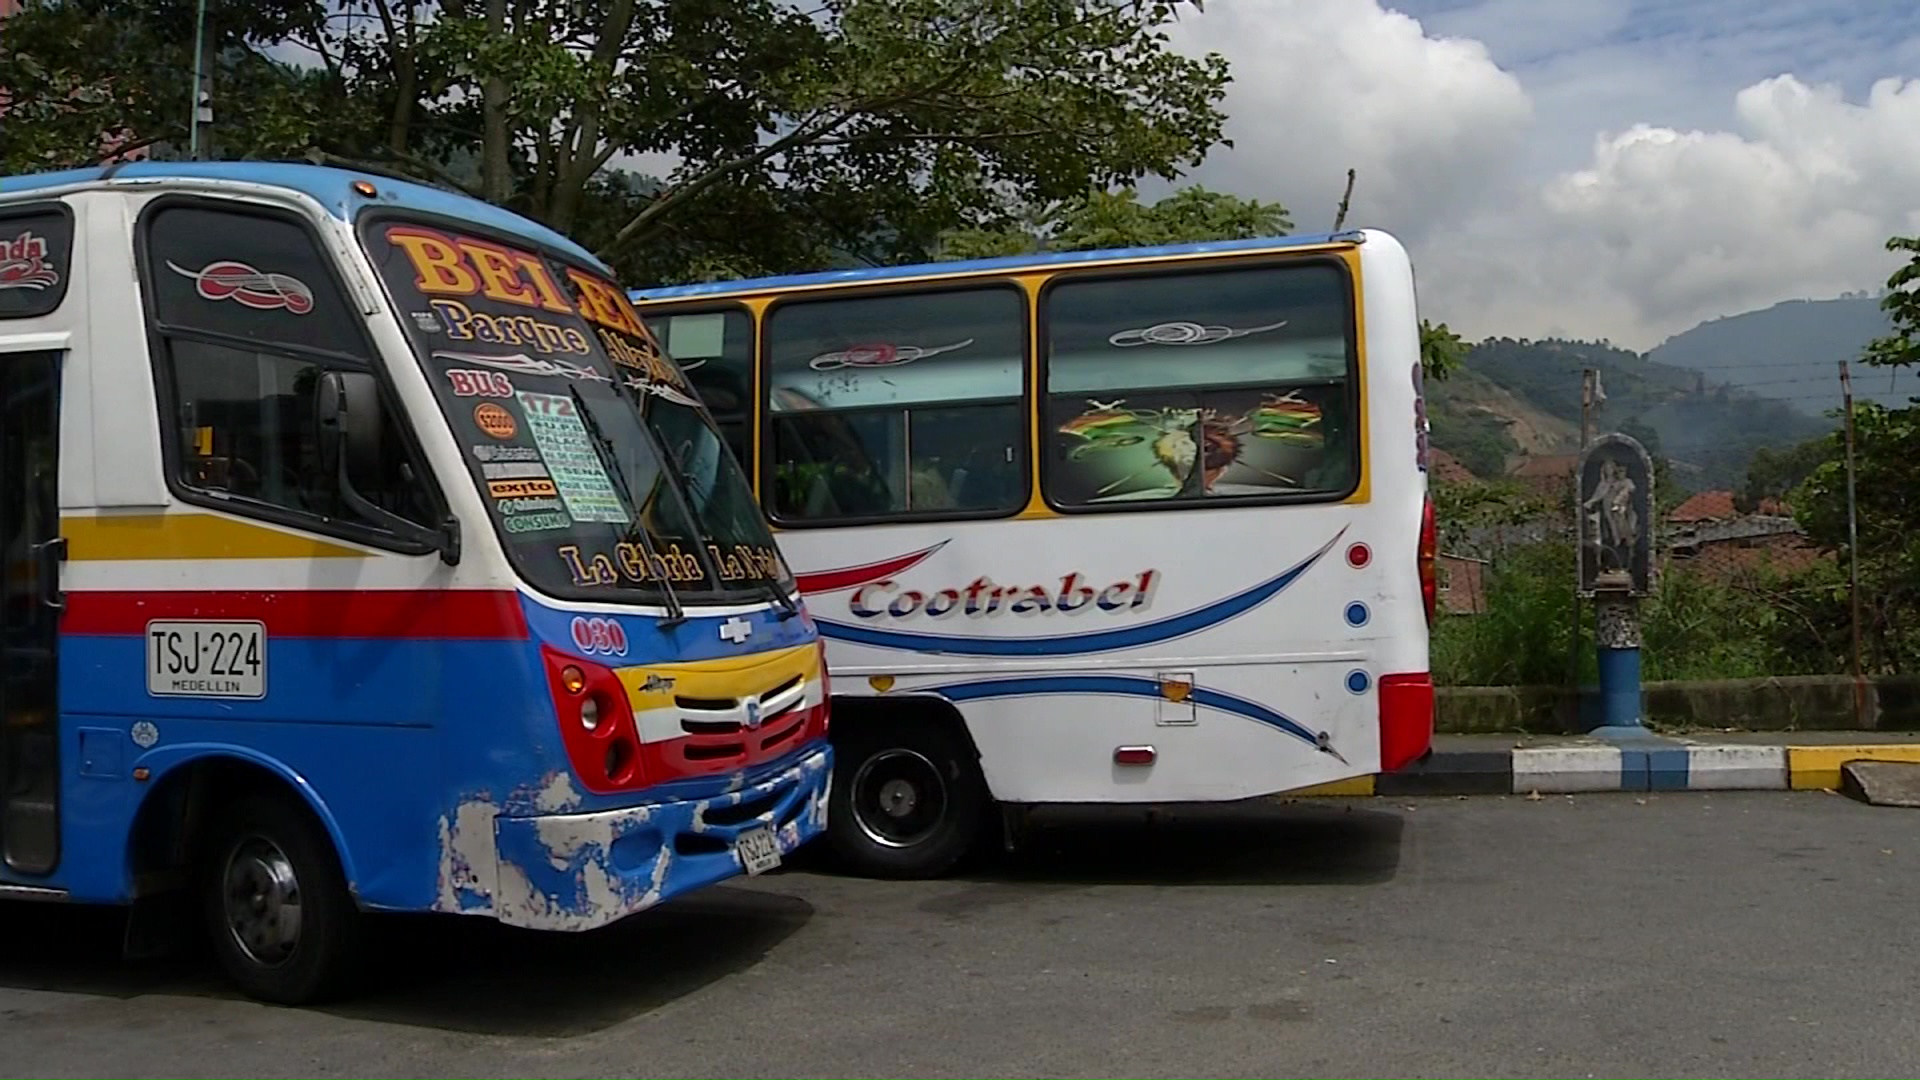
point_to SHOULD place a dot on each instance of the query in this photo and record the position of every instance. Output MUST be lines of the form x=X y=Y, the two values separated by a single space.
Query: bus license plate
x=214 y=659
x=758 y=850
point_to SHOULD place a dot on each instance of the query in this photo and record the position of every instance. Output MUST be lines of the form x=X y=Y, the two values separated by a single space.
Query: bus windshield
x=601 y=471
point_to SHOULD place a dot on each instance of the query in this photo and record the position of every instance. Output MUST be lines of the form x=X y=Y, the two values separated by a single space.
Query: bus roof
x=330 y=187
x=1032 y=261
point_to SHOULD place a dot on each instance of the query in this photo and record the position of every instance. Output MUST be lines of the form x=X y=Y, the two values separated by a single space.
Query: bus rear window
x=898 y=405
x=36 y=249
x=1202 y=385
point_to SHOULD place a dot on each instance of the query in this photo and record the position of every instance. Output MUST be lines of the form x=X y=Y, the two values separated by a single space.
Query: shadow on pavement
x=445 y=972
x=1257 y=842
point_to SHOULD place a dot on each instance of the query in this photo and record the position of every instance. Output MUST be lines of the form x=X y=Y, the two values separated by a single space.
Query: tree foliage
x=791 y=136
x=1886 y=486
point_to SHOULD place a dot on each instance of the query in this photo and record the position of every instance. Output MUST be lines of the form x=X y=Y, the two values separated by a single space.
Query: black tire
x=908 y=800
x=270 y=853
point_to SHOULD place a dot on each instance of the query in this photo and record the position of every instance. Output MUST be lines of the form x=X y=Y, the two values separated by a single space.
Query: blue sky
x=1602 y=168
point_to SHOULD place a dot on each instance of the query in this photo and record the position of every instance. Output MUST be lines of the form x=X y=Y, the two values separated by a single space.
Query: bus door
x=30 y=607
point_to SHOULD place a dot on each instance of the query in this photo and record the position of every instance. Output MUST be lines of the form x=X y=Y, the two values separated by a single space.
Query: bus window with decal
x=1220 y=383
x=902 y=405
x=573 y=423
x=247 y=318
x=36 y=245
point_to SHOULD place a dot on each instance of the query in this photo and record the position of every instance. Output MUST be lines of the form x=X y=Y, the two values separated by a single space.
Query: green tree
x=1441 y=351
x=1774 y=473
x=1887 y=487
x=795 y=130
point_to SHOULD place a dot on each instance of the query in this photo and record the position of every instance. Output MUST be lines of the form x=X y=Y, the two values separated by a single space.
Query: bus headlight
x=590 y=713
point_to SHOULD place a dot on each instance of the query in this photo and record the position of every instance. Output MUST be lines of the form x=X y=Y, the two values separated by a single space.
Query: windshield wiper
x=677 y=483
x=788 y=609
x=636 y=531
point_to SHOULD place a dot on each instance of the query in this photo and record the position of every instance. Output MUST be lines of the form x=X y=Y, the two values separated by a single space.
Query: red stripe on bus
x=847 y=577
x=486 y=614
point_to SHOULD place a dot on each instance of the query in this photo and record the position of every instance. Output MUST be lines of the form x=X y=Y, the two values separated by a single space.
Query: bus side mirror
x=349 y=418
x=347 y=414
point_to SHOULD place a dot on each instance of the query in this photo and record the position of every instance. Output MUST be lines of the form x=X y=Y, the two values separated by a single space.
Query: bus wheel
x=907 y=801
x=276 y=904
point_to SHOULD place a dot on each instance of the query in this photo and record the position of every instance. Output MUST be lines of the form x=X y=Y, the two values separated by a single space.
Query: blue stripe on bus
x=1036 y=261
x=1130 y=637
x=331 y=188
x=1122 y=685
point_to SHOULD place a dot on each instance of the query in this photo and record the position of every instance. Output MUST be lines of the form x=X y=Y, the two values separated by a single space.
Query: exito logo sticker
x=495 y=421
x=520 y=489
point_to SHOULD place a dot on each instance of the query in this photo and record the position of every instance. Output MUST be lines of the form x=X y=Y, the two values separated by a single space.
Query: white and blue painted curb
x=1634 y=760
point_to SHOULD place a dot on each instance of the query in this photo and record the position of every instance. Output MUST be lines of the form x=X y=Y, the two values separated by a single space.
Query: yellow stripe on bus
x=725 y=679
x=120 y=538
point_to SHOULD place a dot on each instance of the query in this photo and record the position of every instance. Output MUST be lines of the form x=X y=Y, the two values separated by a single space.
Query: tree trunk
x=496 y=181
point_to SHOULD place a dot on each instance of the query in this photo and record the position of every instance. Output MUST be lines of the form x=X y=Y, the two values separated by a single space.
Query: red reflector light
x=596 y=723
x=1429 y=552
x=1406 y=719
x=1133 y=755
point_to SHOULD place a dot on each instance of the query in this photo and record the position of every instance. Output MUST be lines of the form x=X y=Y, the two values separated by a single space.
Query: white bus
x=1135 y=526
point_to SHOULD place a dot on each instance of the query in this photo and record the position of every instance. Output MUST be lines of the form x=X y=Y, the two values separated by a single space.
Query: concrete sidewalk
x=1696 y=761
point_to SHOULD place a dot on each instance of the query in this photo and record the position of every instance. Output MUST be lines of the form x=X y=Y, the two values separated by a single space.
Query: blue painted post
x=1617 y=633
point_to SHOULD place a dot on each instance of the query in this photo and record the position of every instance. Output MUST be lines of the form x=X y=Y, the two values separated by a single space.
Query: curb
x=1640 y=763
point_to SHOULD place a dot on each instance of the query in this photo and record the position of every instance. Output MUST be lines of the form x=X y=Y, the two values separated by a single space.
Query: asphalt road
x=1681 y=935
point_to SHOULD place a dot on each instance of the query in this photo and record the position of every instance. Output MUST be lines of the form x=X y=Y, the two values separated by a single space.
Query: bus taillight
x=1429 y=553
x=1406 y=719
x=596 y=722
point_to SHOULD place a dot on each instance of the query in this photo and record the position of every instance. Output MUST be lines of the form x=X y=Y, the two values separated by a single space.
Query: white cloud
x=1321 y=86
x=1663 y=228
x=1614 y=180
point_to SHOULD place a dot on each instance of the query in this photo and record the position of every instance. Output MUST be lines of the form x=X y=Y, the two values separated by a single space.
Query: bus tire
x=908 y=800
x=276 y=903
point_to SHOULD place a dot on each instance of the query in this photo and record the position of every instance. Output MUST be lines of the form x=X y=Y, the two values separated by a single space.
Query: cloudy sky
x=1593 y=168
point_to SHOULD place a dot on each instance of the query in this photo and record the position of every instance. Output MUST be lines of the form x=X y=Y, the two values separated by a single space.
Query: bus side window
x=715 y=349
x=1173 y=386
x=898 y=405
x=247 y=317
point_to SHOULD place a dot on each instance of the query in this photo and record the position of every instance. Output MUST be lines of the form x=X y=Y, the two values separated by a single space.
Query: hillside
x=1790 y=352
x=1524 y=397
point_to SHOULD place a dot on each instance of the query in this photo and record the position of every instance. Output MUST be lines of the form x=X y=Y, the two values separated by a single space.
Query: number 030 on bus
x=1129 y=526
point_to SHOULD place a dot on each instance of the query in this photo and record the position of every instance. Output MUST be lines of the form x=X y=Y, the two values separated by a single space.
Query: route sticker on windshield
x=475 y=383
x=495 y=421
x=519 y=489
x=513 y=470
x=570 y=458
x=505 y=453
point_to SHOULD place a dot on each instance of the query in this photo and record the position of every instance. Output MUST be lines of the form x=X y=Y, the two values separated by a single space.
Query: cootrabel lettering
x=983 y=597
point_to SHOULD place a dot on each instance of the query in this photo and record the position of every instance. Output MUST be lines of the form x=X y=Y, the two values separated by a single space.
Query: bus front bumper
x=581 y=871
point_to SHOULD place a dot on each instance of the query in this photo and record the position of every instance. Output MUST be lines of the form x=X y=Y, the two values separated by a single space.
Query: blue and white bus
x=1133 y=526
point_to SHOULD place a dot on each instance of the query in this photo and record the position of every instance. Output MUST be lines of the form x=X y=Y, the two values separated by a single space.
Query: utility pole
x=1853 y=550
x=202 y=114
x=1573 y=494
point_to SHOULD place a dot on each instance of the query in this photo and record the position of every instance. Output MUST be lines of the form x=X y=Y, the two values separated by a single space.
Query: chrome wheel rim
x=899 y=798
x=261 y=900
